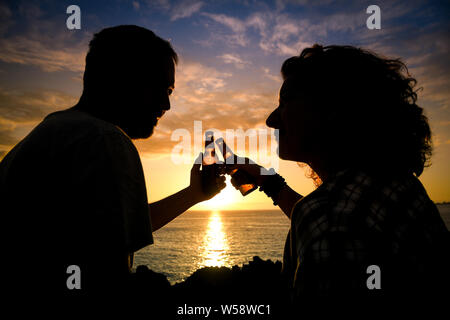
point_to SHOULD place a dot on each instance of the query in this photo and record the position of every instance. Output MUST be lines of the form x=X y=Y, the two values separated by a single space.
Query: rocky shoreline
x=258 y=283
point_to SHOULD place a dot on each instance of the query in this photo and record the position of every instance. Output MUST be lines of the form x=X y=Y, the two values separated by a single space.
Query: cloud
x=281 y=4
x=24 y=50
x=234 y=24
x=202 y=94
x=230 y=109
x=286 y=33
x=234 y=59
x=31 y=106
x=185 y=9
x=20 y=111
x=257 y=21
x=205 y=93
x=283 y=30
x=440 y=140
x=7 y=139
x=426 y=54
x=199 y=78
x=5 y=18
x=271 y=76
x=278 y=33
x=237 y=26
x=161 y=4
x=42 y=42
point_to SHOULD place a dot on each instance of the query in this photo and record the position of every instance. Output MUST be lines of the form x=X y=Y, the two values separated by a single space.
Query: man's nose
x=165 y=104
x=273 y=121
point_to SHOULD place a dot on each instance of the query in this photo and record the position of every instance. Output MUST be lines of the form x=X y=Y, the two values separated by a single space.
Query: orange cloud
x=21 y=111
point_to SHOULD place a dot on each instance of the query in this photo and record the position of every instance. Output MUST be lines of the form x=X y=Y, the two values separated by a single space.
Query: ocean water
x=214 y=238
x=198 y=239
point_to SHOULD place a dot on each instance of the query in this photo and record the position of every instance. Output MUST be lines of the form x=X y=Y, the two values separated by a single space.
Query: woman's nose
x=273 y=121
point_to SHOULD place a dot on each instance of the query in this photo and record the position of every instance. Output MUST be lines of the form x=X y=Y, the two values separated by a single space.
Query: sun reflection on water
x=215 y=244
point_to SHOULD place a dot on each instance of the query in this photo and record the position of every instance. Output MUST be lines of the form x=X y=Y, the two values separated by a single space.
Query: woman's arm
x=287 y=199
x=167 y=209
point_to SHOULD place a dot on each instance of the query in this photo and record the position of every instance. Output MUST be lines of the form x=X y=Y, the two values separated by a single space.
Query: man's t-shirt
x=73 y=193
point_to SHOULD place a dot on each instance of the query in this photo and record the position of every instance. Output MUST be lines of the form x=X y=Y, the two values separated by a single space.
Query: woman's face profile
x=295 y=120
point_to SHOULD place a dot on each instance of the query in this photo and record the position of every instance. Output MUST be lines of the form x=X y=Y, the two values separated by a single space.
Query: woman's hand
x=196 y=187
x=256 y=172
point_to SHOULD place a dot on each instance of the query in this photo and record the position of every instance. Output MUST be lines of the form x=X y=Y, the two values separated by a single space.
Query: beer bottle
x=245 y=183
x=209 y=164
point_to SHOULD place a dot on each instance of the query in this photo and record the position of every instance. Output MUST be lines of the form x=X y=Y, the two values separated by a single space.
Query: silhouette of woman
x=351 y=116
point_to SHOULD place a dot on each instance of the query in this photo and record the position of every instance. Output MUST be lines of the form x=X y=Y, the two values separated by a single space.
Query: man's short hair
x=117 y=53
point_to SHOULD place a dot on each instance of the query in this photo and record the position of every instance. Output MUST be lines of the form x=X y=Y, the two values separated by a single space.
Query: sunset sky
x=229 y=70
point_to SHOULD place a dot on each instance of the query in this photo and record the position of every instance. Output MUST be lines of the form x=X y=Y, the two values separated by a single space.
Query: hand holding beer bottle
x=240 y=178
x=210 y=168
x=246 y=175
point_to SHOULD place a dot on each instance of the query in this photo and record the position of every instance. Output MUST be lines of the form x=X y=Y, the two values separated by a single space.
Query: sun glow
x=224 y=199
x=215 y=244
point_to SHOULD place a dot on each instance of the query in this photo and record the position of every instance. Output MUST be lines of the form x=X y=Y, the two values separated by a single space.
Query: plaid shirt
x=354 y=220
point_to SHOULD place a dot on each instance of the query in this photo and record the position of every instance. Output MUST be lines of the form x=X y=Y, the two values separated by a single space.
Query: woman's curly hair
x=366 y=108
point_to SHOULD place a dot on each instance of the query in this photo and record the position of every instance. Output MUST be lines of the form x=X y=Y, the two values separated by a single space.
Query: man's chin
x=281 y=153
x=143 y=133
x=147 y=134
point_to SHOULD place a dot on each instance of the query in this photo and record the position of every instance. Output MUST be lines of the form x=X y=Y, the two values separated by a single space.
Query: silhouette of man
x=73 y=190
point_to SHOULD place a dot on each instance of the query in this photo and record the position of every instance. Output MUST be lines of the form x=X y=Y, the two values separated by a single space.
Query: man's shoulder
x=69 y=133
x=77 y=123
x=73 y=127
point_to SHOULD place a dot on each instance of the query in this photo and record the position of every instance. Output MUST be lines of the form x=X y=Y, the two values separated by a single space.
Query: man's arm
x=167 y=209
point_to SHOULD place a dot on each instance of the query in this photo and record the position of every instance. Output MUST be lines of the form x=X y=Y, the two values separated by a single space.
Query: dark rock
x=258 y=282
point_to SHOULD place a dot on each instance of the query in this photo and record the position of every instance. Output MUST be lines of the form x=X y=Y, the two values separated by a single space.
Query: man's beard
x=139 y=131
